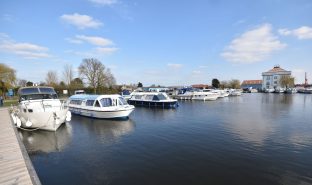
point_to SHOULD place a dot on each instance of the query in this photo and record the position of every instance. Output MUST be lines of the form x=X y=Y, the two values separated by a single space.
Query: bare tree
x=68 y=74
x=51 y=78
x=21 y=82
x=96 y=74
x=287 y=81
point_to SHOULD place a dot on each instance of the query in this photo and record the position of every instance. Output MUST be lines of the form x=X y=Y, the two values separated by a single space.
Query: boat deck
x=15 y=165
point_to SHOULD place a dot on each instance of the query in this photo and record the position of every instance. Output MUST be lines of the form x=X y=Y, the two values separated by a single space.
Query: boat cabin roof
x=36 y=90
x=92 y=97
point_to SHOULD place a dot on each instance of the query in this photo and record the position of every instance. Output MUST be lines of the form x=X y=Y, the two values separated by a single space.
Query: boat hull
x=102 y=114
x=167 y=104
x=50 y=121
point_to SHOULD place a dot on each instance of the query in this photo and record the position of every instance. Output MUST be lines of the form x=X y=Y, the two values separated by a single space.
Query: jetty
x=15 y=165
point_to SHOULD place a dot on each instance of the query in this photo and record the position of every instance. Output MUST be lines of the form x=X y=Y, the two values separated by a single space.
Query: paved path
x=15 y=165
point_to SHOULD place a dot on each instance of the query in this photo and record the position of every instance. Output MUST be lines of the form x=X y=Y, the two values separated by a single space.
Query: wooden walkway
x=15 y=165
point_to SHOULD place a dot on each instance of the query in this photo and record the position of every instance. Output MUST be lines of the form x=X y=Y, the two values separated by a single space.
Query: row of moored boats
x=40 y=107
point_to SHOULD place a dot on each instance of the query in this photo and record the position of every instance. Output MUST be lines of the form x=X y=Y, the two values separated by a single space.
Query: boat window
x=75 y=102
x=138 y=97
x=97 y=104
x=106 y=102
x=29 y=91
x=149 y=97
x=46 y=90
x=159 y=97
x=89 y=102
x=122 y=101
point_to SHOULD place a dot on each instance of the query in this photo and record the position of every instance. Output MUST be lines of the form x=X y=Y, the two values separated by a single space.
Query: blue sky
x=158 y=42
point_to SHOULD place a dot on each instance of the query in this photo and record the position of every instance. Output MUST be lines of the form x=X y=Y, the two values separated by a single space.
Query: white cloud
x=174 y=66
x=104 y=2
x=81 y=21
x=196 y=72
x=105 y=50
x=98 y=41
x=74 y=41
x=23 y=49
x=203 y=67
x=253 y=46
x=303 y=32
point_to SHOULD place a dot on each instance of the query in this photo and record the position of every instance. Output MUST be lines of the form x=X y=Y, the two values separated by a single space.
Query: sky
x=160 y=42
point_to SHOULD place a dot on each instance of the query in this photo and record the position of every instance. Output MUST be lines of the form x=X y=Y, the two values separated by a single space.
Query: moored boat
x=205 y=96
x=152 y=99
x=100 y=106
x=39 y=108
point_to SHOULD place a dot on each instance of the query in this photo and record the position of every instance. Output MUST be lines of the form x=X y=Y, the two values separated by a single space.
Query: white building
x=271 y=78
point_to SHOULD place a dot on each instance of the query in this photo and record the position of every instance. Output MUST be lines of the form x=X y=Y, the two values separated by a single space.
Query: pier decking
x=15 y=165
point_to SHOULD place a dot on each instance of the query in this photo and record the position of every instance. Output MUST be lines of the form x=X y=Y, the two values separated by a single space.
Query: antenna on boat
x=305 y=79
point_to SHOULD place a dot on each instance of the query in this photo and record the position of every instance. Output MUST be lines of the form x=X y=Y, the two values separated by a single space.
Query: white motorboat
x=187 y=95
x=100 y=106
x=205 y=96
x=290 y=91
x=39 y=108
x=235 y=92
x=152 y=99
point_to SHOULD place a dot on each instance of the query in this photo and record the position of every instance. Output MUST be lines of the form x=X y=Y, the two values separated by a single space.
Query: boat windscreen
x=46 y=90
x=159 y=97
x=37 y=96
x=29 y=91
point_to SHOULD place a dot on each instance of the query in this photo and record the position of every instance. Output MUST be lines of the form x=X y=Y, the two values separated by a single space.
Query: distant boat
x=269 y=90
x=126 y=94
x=152 y=99
x=39 y=108
x=305 y=91
x=290 y=91
x=210 y=96
x=100 y=106
x=235 y=92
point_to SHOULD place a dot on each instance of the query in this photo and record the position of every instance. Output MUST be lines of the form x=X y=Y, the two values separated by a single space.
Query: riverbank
x=15 y=165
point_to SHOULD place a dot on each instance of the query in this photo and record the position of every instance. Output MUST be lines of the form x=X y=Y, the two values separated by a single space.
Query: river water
x=251 y=139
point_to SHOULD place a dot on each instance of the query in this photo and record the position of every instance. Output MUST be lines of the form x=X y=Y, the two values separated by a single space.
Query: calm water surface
x=252 y=139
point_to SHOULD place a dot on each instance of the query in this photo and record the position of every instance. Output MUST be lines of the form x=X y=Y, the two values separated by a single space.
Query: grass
x=8 y=103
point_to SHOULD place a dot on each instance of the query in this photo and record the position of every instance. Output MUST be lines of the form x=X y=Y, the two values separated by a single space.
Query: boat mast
x=305 y=79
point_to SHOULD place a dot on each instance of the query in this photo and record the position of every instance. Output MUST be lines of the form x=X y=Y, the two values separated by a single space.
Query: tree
x=224 y=84
x=62 y=84
x=29 y=84
x=7 y=78
x=140 y=84
x=215 y=83
x=51 y=78
x=68 y=74
x=21 y=82
x=96 y=74
x=234 y=84
x=287 y=81
x=76 y=83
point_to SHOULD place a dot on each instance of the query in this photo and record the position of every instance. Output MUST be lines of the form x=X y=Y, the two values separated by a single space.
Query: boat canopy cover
x=84 y=97
x=92 y=97
x=36 y=90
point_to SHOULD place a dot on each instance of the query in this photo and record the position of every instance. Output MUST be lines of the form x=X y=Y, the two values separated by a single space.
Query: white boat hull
x=102 y=114
x=50 y=121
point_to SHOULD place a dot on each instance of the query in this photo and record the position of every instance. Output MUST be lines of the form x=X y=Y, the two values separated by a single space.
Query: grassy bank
x=8 y=103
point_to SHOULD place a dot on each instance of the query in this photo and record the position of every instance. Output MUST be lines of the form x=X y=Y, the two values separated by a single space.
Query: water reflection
x=107 y=131
x=46 y=141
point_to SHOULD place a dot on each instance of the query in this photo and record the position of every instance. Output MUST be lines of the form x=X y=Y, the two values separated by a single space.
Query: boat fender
x=13 y=118
x=18 y=122
x=68 y=116
x=57 y=121
x=28 y=123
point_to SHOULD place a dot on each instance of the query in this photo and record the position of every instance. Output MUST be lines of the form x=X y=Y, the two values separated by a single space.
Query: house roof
x=277 y=69
x=248 y=82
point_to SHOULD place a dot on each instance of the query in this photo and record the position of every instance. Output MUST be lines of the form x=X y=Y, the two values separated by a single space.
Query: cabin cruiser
x=234 y=92
x=152 y=99
x=205 y=96
x=126 y=94
x=269 y=90
x=290 y=91
x=39 y=108
x=100 y=106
